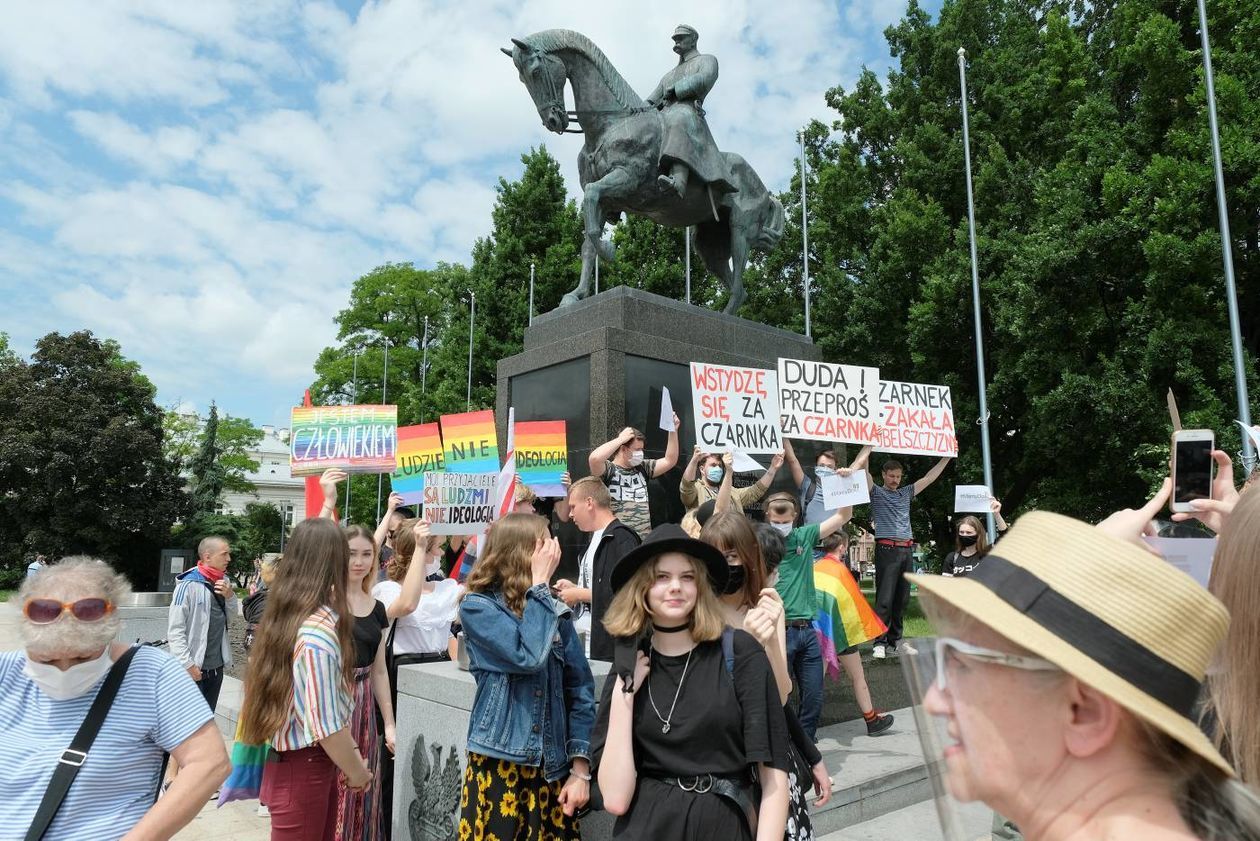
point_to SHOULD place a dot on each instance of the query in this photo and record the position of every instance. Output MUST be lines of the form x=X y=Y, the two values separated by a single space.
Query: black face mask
x=967 y=539
x=734 y=580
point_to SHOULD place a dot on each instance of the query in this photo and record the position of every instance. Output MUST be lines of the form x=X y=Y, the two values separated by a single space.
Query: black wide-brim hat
x=671 y=538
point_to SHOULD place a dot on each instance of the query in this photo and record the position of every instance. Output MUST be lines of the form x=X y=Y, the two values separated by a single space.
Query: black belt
x=739 y=790
x=430 y=657
x=800 y=623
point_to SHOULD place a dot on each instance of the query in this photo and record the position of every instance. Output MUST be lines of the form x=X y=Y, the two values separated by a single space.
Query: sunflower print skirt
x=503 y=801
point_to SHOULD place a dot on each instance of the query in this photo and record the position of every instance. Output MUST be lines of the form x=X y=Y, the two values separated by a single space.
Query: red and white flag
x=506 y=488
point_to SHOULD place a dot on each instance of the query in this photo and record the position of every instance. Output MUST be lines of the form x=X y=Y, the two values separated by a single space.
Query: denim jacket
x=535 y=701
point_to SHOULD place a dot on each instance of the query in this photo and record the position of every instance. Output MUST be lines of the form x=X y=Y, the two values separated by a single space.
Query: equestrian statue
x=653 y=157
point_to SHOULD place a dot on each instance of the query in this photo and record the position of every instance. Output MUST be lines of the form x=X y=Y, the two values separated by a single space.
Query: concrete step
x=918 y=822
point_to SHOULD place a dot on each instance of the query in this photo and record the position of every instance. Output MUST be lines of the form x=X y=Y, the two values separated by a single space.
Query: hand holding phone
x=1191 y=467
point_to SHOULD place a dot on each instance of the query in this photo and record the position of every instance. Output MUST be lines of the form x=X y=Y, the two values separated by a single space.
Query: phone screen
x=1194 y=471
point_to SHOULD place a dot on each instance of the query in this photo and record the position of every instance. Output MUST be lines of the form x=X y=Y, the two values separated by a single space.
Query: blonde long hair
x=505 y=563
x=630 y=613
x=1234 y=682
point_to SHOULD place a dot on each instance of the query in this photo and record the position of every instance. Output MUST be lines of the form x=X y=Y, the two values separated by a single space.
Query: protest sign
x=459 y=503
x=419 y=452
x=1191 y=555
x=356 y=439
x=735 y=408
x=916 y=420
x=972 y=499
x=819 y=401
x=741 y=462
x=1252 y=432
x=667 y=411
x=542 y=456
x=839 y=491
x=469 y=443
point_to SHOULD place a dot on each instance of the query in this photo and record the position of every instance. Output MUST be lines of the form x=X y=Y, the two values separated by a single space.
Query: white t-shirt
x=585 y=566
x=428 y=629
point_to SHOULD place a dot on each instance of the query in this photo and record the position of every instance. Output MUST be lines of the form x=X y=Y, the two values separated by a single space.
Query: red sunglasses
x=44 y=611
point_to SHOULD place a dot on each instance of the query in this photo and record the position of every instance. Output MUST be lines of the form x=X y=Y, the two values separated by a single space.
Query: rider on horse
x=687 y=145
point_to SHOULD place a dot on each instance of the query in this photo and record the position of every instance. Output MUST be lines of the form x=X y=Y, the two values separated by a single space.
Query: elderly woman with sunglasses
x=1068 y=684
x=70 y=620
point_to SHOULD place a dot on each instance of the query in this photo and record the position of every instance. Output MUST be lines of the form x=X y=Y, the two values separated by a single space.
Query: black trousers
x=210 y=684
x=892 y=590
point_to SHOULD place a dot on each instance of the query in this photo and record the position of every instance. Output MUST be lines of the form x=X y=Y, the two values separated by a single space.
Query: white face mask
x=433 y=567
x=636 y=458
x=782 y=528
x=71 y=683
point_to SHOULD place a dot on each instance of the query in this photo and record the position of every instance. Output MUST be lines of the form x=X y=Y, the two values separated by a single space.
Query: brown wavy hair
x=630 y=613
x=351 y=533
x=405 y=549
x=982 y=535
x=731 y=532
x=505 y=560
x=312 y=574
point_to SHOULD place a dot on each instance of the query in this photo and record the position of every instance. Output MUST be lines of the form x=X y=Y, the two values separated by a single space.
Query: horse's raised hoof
x=569 y=300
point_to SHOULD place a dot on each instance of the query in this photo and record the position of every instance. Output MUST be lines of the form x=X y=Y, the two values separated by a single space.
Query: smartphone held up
x=1191 y=467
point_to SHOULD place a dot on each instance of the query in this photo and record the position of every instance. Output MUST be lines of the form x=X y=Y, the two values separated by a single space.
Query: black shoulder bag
x=73 y=757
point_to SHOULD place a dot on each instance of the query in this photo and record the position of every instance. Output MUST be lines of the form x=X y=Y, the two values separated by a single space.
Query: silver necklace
x=665 y=720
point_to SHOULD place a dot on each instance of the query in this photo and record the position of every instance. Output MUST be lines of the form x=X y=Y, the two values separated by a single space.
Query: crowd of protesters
x=1093 y=693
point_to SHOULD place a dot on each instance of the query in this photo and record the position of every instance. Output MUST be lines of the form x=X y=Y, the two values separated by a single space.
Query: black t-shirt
x=959 y=565
x=367 y=635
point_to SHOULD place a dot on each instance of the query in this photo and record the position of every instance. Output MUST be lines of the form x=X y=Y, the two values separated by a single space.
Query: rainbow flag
x=245 y=781
x=469 y=442
x=844 y=616
x=419 y=452
x=542 y=456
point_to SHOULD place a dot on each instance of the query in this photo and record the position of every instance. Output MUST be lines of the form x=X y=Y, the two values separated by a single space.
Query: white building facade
x=272 y=479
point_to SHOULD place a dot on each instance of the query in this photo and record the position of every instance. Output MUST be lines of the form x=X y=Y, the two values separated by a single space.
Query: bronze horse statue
x=619 y=163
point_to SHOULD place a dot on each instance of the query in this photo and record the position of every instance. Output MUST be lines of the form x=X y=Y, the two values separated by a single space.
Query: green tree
x=207 y=473
x=652 y=257
x=237 y=437
x=82 y=467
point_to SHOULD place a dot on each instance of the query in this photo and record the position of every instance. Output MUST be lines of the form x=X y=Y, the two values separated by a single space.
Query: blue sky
x=204 y=181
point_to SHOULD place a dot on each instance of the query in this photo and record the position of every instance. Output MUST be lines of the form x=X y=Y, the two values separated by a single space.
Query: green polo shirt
x=796 y=573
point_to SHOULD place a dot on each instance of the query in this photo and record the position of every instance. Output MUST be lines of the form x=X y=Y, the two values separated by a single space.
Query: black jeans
x=210 y=684
x=892 y=590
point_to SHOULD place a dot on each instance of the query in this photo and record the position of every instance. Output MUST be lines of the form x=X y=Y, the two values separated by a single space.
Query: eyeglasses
x=948 y=650
x=45 y=611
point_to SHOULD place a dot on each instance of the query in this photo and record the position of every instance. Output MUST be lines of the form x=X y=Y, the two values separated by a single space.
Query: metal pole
x=687 y=251
x=596 y=274
x=975 y=297
x=1227 y=243
x=380 y=477
x=354 y=398
x=531 y=293
x=424 y=362
x=472 y=315
x=805 y=238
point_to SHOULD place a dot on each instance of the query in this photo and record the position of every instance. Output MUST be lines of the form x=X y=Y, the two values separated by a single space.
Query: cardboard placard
x=470 y=443
x=735 y=408
x=459 y=503
x=839 y=491
x=916 y=420
x=356 y=439
x=542 y=456
x=972 y=499
x=819 y=401
x=419 y=452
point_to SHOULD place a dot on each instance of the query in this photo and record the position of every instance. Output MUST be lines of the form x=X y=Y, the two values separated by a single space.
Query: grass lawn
x=913 y=622
x=5 y=594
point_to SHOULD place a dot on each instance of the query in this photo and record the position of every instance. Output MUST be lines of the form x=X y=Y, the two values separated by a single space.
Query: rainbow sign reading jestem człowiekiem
x=542 y=456
x=469 y=442
x=356 y=439
x=419 y=452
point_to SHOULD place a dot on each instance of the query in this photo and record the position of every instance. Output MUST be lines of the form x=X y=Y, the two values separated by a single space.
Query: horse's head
x=544 y=76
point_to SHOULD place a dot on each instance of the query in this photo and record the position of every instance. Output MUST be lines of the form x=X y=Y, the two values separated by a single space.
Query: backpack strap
x=73 y=757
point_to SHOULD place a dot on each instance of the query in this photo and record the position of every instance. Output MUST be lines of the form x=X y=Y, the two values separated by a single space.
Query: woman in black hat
x=691 y=723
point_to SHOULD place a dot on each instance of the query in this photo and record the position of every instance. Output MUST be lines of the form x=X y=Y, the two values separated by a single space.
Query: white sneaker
x=880 y=652
x=263 y=811
x=906 y=648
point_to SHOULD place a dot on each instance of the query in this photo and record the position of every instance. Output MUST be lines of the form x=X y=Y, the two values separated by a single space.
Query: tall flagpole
x=354 y=398
x=805 y=238
x=596 y=274
x=1227 y=243
x=380 y=477
x=472 y=315
x=975 y=297
x=424 y=365
x=531 y=293
x=687 y=252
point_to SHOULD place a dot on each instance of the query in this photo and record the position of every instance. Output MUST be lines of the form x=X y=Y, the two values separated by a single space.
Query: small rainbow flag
x=844 y=616
x=469 y=442
x=542 y=456
x=245 y=781
x=419 y=452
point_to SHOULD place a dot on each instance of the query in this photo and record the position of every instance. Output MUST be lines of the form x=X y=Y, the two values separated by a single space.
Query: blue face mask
x=714 y=474
x=822 y=471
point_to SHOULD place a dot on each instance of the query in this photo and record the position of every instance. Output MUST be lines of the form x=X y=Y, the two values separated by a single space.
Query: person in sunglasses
x=1068 y=685
x=69 y=622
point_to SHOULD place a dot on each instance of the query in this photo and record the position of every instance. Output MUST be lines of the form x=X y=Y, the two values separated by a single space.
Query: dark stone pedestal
x=595 y=365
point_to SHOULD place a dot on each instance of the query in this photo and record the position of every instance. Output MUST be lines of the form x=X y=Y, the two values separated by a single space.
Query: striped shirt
x=891 y=512
x=157 y=708
x=321 y=699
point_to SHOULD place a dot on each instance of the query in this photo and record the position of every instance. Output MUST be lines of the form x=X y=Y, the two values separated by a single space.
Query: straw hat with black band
x=1109 y=613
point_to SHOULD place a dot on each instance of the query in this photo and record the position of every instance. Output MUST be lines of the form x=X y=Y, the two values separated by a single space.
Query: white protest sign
x=916 y=420
x=667 y=411
x=735 y=408
x=459 y=503
x=839 y=491
x=971 y=499
x=741 y=462
x=1191 y=555
x=819 y=401
x=1253 y=432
